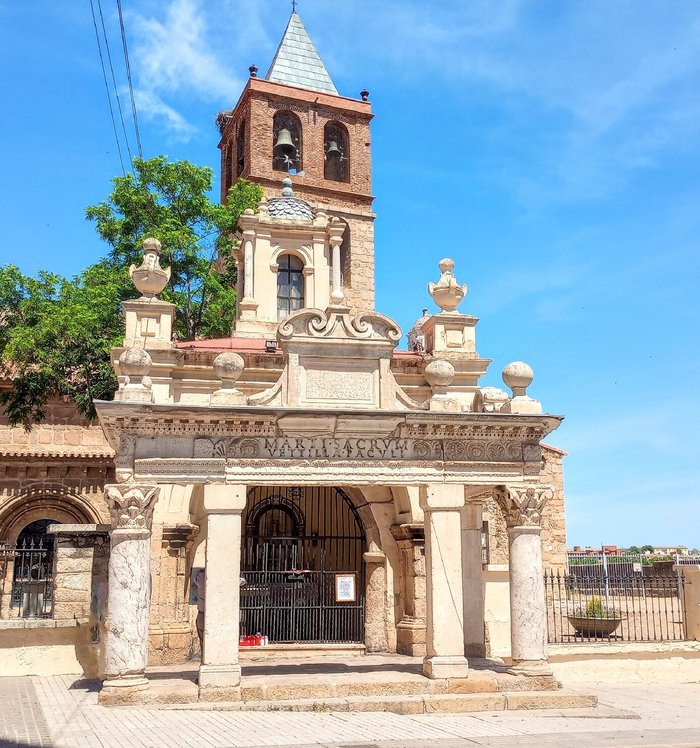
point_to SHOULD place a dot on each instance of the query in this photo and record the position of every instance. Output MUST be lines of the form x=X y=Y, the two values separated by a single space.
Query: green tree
x=647 y=549
x=55 y=338
x=56 y=334
x=169 y=201
x=634 y=550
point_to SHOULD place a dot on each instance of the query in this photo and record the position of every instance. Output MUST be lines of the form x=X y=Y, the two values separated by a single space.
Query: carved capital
x=131 y=506
x=522 y=506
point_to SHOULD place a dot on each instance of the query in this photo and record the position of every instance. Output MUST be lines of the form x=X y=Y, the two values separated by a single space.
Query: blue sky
x=551 y=148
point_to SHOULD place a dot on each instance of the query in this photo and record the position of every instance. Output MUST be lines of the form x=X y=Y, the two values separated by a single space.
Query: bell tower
x=294 y=124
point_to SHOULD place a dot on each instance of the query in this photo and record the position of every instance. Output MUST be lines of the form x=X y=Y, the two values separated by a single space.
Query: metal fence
x=32 y=578
x=588 y=604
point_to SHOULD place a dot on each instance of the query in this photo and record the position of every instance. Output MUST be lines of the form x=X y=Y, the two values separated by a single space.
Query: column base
x=532 y=668
x=219 y=682
x=126 y=690
x=445 y=667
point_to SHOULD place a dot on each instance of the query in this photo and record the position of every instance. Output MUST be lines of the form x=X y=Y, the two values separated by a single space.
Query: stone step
x=411 y=704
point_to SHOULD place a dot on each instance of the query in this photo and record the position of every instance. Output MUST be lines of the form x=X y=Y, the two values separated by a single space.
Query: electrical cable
x=128 y=75
x=109 y=98
x=114 y=80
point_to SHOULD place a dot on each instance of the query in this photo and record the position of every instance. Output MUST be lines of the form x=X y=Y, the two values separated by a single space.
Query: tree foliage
x=56 y=334
x=169 y=201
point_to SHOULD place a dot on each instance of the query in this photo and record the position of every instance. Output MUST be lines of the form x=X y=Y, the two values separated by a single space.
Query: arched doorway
x=302 y=559
x=32 y=577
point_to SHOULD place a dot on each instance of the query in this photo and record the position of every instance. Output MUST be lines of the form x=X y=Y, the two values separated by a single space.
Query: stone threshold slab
x=413 y=704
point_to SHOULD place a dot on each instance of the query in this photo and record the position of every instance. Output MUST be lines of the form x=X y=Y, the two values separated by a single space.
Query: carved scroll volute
x=131 y=507
x=124 y=459
x=522 y=506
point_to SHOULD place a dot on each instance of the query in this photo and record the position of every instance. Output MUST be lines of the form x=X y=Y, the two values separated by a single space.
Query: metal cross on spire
x=294 y=6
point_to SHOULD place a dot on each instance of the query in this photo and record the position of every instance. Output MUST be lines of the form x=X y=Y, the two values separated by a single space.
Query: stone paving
x=60 y=712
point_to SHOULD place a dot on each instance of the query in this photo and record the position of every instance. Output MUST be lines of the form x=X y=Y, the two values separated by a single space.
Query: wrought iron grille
x=296 y=541
x=632 y=606
x=32 y=578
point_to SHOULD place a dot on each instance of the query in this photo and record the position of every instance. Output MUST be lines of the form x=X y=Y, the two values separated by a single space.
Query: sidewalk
x=66 y=711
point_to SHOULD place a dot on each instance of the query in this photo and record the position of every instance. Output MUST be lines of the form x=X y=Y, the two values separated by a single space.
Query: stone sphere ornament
x=135 y=362
x=518 y=376
x=228 y=367
x=439 y=373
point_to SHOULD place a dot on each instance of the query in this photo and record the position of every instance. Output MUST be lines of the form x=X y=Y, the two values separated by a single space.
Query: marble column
x=129 y=589
x=442 y=505
x=473 y=587
x=522 y=507
x=220 y=671
x=375 y=602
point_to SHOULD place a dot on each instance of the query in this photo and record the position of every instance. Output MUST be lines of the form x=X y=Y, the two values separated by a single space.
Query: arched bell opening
x=336 y=153
x=286 y=143
x=302 y=561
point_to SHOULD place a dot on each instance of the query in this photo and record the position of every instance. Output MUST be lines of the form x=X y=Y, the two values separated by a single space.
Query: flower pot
x=596 y=627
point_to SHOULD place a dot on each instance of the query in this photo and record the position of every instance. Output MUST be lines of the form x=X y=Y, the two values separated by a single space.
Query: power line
x=128 y=75
x=109 y=98
x=114 y=81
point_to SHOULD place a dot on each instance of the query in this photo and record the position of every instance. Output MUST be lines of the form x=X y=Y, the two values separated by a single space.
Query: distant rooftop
x=297 y=62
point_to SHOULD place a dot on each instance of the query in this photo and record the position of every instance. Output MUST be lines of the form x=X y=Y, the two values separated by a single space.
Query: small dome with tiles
x=288 y=206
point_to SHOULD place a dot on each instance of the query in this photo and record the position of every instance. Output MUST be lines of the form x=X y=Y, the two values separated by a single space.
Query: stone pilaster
x=473 y=581
x=442 y=505
x=126 y=647
x=220 y=671
x=410 y=630
x=375 y=602
x=522 y=507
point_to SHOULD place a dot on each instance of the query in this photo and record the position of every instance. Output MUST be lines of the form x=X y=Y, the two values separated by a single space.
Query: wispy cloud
x=174 y=57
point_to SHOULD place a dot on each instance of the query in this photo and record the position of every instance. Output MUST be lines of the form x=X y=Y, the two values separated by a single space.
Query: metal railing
x=619 y=606
x=32 y=578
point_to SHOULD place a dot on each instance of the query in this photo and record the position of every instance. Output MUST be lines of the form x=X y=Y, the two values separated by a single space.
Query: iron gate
x=299 y=545
x=32 y=579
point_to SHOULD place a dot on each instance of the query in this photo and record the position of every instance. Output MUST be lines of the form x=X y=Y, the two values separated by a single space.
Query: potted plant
x=595 y=619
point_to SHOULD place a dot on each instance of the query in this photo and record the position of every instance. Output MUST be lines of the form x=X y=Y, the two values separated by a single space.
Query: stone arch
x=336 y=152
x=303 y=253
x=44 y=501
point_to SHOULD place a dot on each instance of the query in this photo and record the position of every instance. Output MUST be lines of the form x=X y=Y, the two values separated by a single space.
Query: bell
x=284 y=144
x=333 y=151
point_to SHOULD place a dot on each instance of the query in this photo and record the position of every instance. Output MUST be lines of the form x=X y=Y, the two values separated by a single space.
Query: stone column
x=522 y=507
x=375 y=602
x=410 y=630
x=248 y=265
x=129 y=591
x=442 y=505
x=336 y=237
x=474 y=644
x=220 y=671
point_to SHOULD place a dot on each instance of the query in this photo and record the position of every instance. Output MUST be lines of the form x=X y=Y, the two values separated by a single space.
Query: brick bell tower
x=293 y=123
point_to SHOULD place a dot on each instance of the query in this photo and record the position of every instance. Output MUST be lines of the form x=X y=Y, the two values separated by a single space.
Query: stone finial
x=150 y=278
x=518 y=376
x=134 y=382
x=287 y=189
x=439 y=375
x=228 y=366
x=447 y=293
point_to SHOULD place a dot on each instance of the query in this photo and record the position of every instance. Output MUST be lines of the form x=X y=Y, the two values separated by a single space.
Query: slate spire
x=297 y=62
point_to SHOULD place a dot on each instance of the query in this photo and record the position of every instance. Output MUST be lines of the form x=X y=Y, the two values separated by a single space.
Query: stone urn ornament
x=447 y=293
x=150 y=278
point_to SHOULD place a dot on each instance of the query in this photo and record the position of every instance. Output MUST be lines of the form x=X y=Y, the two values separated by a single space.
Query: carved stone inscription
x=322 y=385
x=371 y=448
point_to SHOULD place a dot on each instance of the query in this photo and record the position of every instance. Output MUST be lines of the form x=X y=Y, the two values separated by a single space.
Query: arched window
x=226 y=168
x=240 y=149
x=286 y=143
x=336 y=153
x=290 y=285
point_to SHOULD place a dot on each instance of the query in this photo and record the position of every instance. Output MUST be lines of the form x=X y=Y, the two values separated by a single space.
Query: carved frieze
x=131 y=506
x=522 y=506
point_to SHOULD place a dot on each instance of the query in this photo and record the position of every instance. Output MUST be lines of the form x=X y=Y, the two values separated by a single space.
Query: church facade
x=337 y=491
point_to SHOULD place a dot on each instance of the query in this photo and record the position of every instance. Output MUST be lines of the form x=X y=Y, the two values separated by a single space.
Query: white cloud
x=174 y=56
